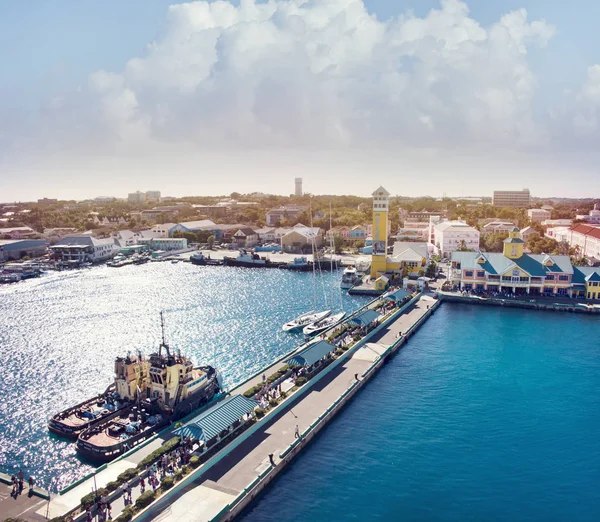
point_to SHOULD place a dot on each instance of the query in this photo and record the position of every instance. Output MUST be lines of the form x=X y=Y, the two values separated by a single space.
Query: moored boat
x=173 y=388
x=299 y=264
x=349 y=278
x=323 y=324
x=130 y=373
x=304 y=320
x=250 y=260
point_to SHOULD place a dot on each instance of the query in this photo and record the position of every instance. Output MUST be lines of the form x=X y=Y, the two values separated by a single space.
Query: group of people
x=17 y=484
x=164 y=466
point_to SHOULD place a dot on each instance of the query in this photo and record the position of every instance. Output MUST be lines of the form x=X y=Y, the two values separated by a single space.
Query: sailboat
x=331 y=320
x=306 y=319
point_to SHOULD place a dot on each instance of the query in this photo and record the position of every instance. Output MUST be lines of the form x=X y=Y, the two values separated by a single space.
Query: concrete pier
x=220 y=492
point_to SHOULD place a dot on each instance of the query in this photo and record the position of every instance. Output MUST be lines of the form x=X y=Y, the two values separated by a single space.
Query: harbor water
x=59 y=335
x=485 y=414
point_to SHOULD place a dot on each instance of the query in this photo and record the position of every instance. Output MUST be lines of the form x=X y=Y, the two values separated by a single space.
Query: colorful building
x=515 y=272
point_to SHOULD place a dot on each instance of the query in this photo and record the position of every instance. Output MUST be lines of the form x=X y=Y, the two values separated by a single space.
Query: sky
x=206 y=98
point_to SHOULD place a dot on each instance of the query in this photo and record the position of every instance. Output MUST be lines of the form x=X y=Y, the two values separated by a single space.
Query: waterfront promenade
x=223 y=482
x=211 y=492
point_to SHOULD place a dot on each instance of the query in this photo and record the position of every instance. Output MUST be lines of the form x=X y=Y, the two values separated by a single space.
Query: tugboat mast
x=164 y=343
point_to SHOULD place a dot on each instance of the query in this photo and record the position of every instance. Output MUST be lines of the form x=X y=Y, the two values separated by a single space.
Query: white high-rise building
x=153 y=195
x=136 y=197
x=298 y=187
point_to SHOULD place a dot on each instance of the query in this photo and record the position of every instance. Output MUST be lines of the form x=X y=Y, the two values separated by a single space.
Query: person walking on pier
x=31 y=482
x=297 y=432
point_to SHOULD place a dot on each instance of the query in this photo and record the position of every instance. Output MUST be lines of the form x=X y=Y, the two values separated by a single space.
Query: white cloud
x=311 y=75
x=315 y=73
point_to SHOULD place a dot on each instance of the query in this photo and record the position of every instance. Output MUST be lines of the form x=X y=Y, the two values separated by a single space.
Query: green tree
x=431 y=270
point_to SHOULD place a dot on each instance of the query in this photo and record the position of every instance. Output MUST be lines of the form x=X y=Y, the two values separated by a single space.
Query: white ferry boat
x=349 y=278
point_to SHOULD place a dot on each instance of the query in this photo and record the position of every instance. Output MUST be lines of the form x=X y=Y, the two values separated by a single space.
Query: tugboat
x=174 y=389
x=299 y=264
x=250 y=260
x=130 y=372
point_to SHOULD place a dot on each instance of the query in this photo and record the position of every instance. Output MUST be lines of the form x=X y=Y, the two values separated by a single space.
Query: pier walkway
x=205 y=497
x=215 y=488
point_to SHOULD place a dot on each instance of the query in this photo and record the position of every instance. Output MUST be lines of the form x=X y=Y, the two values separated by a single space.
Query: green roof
x=398 y=295
x=216 y=419
x=513 y=240
x=311 y=354
x=498 y=264
x=365 y=318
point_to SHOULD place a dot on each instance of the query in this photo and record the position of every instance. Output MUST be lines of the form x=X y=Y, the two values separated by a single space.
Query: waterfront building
x=341 y=232
x=275 y=216
x=449 y=236
x=358 y=232
x=410 y=256
x=381 y=205
x=298 y=186
x=19 y=248
x=165 y=244
x=516 y=272
x=300 y=239
x=512 y=198
x=84 y=249
x=245 y=238
x=538 y=215
x=136 y=198
x=204 y=225
x=17 y=232
x=272 y=234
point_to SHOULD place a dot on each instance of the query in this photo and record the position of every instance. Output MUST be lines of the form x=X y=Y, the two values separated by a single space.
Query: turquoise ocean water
x=59 y=335
x=486 y=414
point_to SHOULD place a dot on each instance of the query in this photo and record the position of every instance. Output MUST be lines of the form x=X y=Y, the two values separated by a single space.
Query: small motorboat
x=305 y=320
x=323 y=324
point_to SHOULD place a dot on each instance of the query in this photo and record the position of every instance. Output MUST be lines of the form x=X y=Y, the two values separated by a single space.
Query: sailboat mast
x=314 y=258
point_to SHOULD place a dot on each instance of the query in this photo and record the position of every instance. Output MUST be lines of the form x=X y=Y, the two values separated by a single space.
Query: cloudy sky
x=424 y=97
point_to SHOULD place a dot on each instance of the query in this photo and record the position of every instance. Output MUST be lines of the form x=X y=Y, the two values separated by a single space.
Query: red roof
x=587 y=230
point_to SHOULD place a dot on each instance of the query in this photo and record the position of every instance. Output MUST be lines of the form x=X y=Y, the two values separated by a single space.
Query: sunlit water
x=59 y=336
x=485 y=415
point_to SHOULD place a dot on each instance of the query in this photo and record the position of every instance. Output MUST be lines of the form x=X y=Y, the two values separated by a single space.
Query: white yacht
x=349 y=278
x=304 y=320
x=323 y=324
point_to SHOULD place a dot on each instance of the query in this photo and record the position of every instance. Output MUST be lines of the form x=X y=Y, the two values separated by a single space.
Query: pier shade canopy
x=216 y=419
x=365 y=318
x=396 y=295
x=311 y=354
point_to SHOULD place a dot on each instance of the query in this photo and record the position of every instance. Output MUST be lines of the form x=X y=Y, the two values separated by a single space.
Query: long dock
x=221 y=492
x=219 y=489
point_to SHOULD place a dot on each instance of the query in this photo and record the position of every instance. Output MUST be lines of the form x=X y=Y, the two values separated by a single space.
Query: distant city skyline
x=207 y=98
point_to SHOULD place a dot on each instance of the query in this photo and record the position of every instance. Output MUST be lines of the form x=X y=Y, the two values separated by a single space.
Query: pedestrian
x=264 y=377
x=129 y=493
x=108 y=510
x=297 y=432
x=88 y=514
x=142 y=485
x=31 y=481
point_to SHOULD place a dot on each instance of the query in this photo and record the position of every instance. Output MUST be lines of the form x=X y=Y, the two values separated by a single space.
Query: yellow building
x=381 y=204
x=407 y=259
